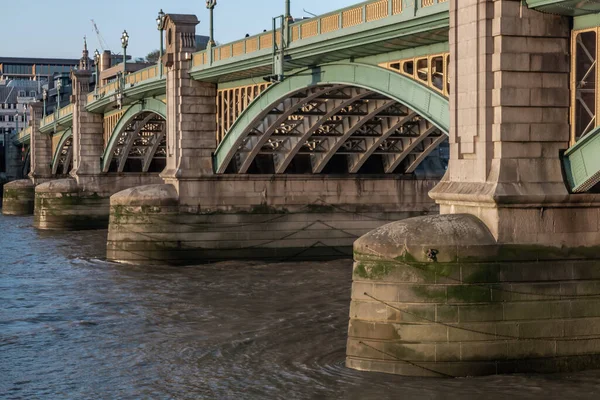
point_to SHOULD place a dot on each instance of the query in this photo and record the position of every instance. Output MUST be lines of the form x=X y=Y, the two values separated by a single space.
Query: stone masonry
x=88 y=142
x=191 y=108
x=41 y=148
x=509 y=122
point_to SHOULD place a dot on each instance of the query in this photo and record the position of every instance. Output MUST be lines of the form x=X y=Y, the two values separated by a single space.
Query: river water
x=73 y=326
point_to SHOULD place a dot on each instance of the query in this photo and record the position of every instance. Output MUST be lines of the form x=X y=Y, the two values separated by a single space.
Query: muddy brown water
x=73 y=326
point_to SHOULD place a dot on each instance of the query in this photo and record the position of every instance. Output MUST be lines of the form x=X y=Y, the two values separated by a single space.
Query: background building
x=34 y=69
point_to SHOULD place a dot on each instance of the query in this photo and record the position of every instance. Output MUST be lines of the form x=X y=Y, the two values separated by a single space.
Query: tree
x=152 y=57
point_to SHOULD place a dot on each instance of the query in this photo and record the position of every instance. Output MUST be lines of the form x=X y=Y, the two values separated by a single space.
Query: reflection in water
x=74 y=326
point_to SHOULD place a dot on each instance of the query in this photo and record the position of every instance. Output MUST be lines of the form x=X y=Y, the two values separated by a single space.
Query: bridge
x=295 y=142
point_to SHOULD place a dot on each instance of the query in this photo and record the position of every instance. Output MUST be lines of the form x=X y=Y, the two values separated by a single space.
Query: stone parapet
x=18 y=198
x=438 y=296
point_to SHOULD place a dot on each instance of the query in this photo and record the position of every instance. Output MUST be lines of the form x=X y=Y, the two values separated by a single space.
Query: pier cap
x=58 y=186
x=432 y=238
x=148 y=195
x=20 y=184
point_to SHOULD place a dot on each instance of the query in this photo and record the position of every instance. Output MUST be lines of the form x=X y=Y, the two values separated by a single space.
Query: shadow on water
x=75 y=326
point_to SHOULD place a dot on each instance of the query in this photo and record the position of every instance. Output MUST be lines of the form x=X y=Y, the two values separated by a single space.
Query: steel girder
x=139 y=134
x=352 y=109
x=63 y=154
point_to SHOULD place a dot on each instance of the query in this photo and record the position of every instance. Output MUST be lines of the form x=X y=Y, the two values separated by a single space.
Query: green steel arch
x=55 y=159
x=27 y=162
x=406 y=91
x=146 y=105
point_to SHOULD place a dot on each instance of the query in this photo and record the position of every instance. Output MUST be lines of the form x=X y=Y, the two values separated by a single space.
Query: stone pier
x=254 y=217
x=82 y=201
x=18 y=196
x=507 y=279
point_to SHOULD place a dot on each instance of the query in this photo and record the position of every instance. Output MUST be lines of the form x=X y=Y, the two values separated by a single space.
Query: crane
x=101 y=40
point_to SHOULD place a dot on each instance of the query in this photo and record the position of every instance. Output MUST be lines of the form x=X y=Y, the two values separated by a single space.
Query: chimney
x=105 y=60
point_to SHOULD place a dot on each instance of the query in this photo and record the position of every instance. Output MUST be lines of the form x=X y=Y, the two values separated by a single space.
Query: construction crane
x=101 y=40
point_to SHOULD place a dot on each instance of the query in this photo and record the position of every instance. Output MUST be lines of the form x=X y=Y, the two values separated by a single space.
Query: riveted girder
x=137 y=139
x=360 y=113
x=141 y=140
x=63 y=155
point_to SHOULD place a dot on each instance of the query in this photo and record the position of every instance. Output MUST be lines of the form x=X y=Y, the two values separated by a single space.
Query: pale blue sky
x=45 y=28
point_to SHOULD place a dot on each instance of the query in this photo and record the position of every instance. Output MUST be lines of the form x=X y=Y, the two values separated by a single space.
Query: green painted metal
x=582 y=162
x=58 y=124
x=586 y=21
x=407 y=91
x=146 y=105
x=66 y=135
x=27 y=162
x=565 y=7
x=24 y=140
x=154 y=87
x=414 y=27
x=436 y=48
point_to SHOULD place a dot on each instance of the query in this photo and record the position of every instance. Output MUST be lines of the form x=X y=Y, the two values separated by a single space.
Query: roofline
x=26 y=60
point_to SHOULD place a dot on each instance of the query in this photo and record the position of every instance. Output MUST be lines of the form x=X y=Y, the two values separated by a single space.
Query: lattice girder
x=323 y=121
x=140 y=139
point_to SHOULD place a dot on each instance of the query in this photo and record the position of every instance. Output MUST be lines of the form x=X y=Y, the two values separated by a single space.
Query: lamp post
x=210 y=4
x=287 y=21
x=44 y=97
x=159 y=22
x=124 y=43
x=17 y=122
x=58 y=87
x=96 y=62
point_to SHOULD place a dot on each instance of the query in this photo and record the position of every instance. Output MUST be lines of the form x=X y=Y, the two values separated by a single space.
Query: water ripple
x=73 y=325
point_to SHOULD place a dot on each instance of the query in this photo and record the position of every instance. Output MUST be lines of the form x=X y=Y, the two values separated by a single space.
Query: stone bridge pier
x=81 y=201
x=507 y=278
x=19 y=195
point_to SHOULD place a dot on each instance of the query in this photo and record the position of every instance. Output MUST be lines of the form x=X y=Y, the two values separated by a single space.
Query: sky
x=55 y=29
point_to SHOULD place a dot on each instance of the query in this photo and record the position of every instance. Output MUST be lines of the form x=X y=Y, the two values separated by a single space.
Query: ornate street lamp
x=124 y=43
x=17 y=122
x=44 y=98
x=96 y=62
x=58 y=87
x=159 y=23
x=287 y=21
x=210 y=4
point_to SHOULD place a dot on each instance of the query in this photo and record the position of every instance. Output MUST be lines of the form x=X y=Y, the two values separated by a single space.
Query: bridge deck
x=372 y=27
x=565 y=7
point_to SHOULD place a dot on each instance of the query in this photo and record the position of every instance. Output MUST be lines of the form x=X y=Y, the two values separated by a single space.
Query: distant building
x=34 y=69
x=15 y=97
x=201 y=42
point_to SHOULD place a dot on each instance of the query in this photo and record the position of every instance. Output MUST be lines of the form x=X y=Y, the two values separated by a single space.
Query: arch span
x=353 y=109
x=63 y=154
x=140 y=134
x=27 y=162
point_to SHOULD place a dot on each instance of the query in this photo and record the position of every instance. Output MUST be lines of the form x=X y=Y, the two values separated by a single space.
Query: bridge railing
x=23 y=134
x=65 y=111
x=336 y=20
x=142 y=75
x=132 y=78
x=48 y=119
x=55 y=116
